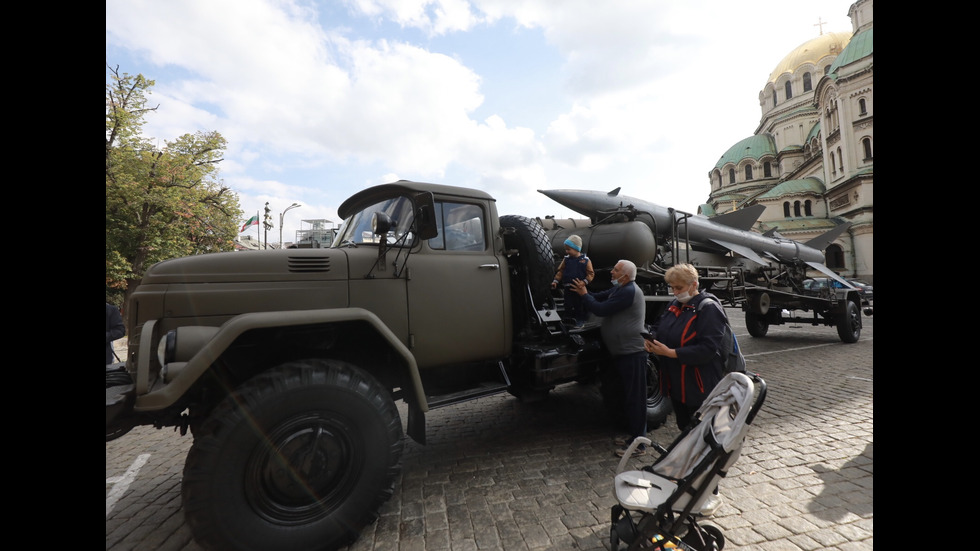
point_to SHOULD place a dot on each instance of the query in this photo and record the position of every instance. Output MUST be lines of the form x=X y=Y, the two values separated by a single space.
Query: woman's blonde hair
x=681 y=273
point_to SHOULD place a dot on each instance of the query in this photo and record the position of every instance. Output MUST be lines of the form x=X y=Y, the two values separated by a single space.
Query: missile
x=728 y=232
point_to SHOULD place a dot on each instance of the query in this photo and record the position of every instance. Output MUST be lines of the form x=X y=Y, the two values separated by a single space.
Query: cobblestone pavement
x=501 y=474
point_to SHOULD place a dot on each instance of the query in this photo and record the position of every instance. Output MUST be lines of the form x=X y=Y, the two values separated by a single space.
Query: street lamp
x=267 y=223
x=281 y=214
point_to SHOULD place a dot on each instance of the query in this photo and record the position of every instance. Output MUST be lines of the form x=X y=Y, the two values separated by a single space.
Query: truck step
x=484 y=389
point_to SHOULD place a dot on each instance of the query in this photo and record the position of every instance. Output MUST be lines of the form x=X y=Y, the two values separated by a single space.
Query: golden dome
x=811 y=51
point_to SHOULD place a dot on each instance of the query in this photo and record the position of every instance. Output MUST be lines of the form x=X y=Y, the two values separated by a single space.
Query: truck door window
x=461 y=228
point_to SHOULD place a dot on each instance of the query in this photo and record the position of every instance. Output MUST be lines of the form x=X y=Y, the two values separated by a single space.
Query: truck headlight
x=183 y=343
x=167 y=348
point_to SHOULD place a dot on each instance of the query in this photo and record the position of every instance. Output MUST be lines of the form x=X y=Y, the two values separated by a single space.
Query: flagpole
x=258 y=235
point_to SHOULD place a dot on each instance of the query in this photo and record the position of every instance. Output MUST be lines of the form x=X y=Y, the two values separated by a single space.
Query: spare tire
x=534 y=254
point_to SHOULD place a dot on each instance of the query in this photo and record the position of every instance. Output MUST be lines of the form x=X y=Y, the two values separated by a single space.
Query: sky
x=319 y=99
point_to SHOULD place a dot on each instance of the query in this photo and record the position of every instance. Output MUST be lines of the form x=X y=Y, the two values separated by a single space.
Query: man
x=622 y=308
x=114 y=329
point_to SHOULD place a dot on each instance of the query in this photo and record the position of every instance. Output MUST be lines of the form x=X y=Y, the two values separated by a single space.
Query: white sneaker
x=711 y=505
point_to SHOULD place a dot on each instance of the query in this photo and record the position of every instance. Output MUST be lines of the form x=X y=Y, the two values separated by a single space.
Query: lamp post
x=281 y=214
x=267 y=223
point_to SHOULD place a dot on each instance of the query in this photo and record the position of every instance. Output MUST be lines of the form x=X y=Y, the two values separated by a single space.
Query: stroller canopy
x=723 y=417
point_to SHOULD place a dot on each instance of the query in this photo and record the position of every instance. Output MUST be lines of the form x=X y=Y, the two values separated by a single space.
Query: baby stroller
x=658 y=506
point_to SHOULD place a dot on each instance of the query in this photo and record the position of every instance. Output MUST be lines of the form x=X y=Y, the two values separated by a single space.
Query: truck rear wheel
x=658 y=405
x=300 y=457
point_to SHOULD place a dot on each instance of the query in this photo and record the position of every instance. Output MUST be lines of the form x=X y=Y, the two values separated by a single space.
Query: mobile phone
x=646 y=336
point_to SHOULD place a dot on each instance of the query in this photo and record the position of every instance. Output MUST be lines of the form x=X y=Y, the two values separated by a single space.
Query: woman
x=688 y=341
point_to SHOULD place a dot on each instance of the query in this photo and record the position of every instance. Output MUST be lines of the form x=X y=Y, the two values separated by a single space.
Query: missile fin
x=614 y=193
x=830 y=273
x=742 y=250
x=741 y=219
x=821 y=242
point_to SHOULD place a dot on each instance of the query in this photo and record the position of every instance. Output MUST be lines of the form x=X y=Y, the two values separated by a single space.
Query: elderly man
x=622 y=309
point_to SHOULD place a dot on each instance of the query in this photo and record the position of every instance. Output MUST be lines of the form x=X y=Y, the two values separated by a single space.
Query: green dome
x=753 y=147
x=796 y=187
x=861 y=46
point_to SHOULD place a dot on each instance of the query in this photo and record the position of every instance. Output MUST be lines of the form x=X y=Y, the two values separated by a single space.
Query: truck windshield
x=357 y=229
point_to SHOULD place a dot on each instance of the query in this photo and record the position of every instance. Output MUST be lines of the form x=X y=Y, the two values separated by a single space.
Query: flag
x=253 y=221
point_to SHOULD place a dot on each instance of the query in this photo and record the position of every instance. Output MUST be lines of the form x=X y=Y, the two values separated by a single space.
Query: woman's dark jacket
x=696 y=336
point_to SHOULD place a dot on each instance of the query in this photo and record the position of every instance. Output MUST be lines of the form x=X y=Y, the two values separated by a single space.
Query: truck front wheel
x=300 y=457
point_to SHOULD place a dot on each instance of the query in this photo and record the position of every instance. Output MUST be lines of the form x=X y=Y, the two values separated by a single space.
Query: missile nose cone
x=579 y=201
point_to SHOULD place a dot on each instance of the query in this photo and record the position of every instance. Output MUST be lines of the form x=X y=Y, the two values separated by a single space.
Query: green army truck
x=286 y=365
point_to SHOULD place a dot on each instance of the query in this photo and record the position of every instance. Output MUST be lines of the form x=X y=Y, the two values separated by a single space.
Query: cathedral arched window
x=785 y=209
x=748 y=172
x=773 y=98
x=767 y=169
x=789 y=89
x=826 y=69
x=862 y=107
x=807 y=210
x=833 y=164
x=796 y=209
x=731 y=175
x=807 y=84
x=840 y=160
x=835 y=257
x=866 y=143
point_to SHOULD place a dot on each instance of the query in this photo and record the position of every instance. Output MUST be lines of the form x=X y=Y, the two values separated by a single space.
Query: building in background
x=811 y=159
x=315 y=233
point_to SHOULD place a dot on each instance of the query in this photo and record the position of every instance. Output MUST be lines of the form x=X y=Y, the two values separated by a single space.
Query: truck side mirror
x=425 y=216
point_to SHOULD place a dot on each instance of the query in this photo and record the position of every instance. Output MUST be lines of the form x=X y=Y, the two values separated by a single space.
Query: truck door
x=455 y=291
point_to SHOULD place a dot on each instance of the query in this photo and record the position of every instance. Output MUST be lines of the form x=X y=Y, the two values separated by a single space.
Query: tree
x=160 y=202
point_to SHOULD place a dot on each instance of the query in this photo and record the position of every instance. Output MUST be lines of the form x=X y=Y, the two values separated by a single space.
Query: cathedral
x=811 y=159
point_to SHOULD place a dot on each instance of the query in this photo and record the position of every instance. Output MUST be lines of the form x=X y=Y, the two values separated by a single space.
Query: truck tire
x=849 y=323
x=532 y=244
x=300 y=457
x=757 y=324
x=658 y=405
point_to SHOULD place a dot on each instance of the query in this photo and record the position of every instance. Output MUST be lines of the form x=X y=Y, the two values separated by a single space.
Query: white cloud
x=649 y=94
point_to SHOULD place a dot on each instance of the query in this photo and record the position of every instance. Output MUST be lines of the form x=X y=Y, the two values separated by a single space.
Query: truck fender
x=197 y=365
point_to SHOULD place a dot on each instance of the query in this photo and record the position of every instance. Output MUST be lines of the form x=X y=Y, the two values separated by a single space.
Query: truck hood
x=252 y=266
x=214 y=287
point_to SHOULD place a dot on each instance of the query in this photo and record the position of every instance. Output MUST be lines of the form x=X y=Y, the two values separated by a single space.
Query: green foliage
x=160 y=202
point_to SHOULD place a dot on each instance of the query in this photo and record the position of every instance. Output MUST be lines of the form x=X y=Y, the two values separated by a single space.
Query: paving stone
x=500 y=474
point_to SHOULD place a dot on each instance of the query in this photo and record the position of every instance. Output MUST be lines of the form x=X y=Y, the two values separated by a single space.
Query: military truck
x=286 y=365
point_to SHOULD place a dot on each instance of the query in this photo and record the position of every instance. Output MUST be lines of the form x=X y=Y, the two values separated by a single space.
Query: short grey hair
x=629 y=268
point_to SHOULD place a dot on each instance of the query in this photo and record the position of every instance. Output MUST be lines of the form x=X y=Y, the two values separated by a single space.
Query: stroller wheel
x=714 y=533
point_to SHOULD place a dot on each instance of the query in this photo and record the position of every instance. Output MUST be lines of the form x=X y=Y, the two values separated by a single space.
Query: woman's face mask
x=683 y=292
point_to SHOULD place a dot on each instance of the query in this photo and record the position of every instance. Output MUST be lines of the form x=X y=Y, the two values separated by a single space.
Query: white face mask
x=684 y=296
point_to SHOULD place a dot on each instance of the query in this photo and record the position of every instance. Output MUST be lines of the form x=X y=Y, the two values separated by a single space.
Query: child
x=574 y=266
